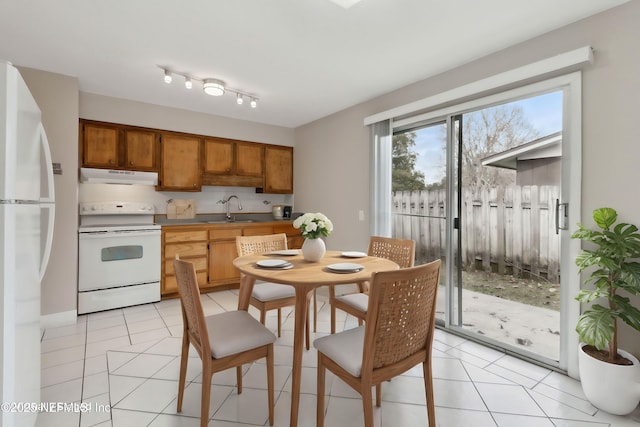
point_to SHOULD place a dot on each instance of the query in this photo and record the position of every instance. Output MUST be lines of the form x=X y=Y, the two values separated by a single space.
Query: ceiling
x=303 y=59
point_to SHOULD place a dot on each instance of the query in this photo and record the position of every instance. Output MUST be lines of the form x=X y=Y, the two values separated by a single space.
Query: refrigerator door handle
x=44 y=141
x=47 y=202
x=49 y=242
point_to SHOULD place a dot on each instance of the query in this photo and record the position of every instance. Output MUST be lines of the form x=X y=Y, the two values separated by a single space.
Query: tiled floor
x=122 y=365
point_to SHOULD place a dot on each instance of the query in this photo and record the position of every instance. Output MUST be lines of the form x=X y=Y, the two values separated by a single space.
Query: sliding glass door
x=484 y=186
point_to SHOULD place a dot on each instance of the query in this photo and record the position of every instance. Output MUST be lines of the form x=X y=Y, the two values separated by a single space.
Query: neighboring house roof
x=545 y=147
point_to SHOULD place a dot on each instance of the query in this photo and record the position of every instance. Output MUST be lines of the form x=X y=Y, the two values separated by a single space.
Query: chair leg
x=315 y=311
x=206 y=396
x=239 y=378
x=332 y=308
x=270 y=382
x=379 y=395
x=279 y=322
x=307 y=324
x=320 y=392
x=263 y=316
x=428 y=387
x=184 y=359
x=360 y=322
x=367 y=406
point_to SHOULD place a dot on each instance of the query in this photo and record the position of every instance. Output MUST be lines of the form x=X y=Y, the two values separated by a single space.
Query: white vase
x=612 y=388
x=313 y=249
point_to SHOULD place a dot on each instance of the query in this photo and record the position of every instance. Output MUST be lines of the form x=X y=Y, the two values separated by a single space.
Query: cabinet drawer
x=185 y=249
x=185 y=236
x=171 y=284
x=224 y=233
x=257 y=231
x=199 y=263
x=287 y=229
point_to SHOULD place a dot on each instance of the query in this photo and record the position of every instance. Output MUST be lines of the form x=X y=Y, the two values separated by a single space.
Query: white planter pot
x=313 y=249
x=612 y=388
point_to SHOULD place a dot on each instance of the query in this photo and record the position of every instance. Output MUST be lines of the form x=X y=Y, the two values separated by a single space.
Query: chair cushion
x=234 y=332
x=359 y=301
x=267 y=291
x=344 y=348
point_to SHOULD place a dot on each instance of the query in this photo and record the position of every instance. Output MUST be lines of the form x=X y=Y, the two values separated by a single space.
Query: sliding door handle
x=562 y=216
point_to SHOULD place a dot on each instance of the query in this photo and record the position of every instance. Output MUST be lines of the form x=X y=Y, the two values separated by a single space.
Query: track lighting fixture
x=213 y=87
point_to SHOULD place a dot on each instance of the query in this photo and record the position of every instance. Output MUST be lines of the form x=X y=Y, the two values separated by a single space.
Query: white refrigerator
x=26 y=231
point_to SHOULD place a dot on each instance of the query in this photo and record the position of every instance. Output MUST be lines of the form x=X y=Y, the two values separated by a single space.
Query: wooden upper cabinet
x=233 y=163
x=99 y=145
x=113 y=146
x=140 y=150
x=180 y=163
x=249 y=159
x=218 y=156
x=278 y=169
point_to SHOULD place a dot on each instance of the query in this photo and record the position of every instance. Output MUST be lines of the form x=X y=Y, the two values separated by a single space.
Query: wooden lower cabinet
x=212 y=248
x=190 y=243
x=222 y=252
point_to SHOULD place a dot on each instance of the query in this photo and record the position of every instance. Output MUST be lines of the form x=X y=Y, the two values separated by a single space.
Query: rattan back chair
x=223 y=341
x=400 y=251
x=267 y=296
x=398 y=334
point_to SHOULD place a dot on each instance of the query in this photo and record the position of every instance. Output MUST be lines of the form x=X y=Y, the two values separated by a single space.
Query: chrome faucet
x=228 y=218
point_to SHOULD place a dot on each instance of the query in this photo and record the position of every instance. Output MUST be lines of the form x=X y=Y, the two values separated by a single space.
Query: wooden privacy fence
x=510 y=230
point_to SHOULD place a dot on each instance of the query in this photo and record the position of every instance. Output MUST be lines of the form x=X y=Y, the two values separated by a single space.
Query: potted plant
x=610 y=377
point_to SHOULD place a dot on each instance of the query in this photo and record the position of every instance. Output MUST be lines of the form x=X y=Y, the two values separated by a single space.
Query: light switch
x=361 y=215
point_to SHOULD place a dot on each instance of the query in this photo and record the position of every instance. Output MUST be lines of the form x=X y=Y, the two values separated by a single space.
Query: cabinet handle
x=131 y=163
x=110 y=161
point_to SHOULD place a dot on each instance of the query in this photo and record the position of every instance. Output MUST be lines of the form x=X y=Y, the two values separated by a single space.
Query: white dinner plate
x=353 y=254
x=345 y=267
x=272 y=263
x=286 y=252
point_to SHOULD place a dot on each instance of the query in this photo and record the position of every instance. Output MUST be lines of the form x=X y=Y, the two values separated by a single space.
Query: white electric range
x=119 y=256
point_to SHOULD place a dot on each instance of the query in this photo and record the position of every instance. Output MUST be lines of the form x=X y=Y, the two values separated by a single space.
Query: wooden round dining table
x=304 y=276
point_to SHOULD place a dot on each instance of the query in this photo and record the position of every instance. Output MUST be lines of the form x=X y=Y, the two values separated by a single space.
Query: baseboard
x=58 y=319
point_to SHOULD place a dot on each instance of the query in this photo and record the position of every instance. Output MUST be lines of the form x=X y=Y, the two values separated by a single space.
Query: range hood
x=112 y=176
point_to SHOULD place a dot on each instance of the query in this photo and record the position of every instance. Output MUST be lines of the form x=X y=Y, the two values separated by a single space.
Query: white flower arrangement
x=313 y=225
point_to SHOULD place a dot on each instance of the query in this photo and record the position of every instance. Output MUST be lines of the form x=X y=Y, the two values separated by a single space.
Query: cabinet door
x=99 y=146
x=140 y=150
x=249 y=159
x=278 y=174
x=180 y=163
x=218 y=156
x=221 y=256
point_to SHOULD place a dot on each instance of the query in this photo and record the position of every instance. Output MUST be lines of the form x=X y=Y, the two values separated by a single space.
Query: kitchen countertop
x=248 y=218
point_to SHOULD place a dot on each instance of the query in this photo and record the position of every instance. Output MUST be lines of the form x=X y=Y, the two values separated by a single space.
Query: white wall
x=333 y=152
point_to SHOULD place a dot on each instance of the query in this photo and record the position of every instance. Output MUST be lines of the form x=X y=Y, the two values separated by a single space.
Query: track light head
x=188 y=83
x=239 y=99
x=167 y=76
x=254 y=103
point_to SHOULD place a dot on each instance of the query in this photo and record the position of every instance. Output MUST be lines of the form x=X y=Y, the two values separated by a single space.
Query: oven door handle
x=123 y=233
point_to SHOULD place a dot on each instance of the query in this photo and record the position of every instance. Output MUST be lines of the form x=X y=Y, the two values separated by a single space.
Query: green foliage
x=612 y=268
x=405 y=177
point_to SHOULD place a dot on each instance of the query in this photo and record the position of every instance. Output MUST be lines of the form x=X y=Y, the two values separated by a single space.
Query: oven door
x=118 y=258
